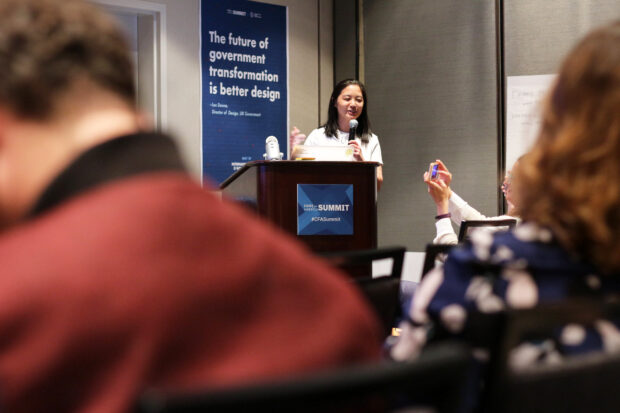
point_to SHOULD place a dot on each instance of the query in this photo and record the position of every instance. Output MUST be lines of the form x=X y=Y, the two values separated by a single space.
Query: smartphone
x=433 y=170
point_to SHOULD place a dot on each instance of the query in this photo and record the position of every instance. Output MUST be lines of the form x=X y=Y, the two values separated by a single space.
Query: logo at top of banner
x=325 y=209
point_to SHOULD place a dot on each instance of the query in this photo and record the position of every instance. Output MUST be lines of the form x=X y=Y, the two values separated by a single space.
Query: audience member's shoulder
x=532 y=232
x=502 y=247
x=316 y=133
x=529 y=245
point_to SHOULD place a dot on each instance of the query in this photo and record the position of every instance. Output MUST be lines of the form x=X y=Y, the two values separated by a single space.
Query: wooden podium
x=271 y=187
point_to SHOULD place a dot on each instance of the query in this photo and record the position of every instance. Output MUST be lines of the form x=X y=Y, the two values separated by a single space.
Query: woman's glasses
x=507 y=181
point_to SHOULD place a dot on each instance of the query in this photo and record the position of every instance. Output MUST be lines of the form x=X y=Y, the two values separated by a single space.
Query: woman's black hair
x=363 y=127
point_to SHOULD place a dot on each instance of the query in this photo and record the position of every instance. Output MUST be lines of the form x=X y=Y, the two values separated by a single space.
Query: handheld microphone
x=352 y=128
x=272 y=149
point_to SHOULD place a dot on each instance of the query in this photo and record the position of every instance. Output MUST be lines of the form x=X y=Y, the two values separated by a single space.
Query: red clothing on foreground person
x=119 y=272
x=147 y=280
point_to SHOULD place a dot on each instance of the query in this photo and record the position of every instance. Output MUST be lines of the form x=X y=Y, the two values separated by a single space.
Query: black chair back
x=358 y=263
x=467 y=226
x=435 y=380
x=576 y=384
x=433 y=252
x=383 y=296
x=382 y=293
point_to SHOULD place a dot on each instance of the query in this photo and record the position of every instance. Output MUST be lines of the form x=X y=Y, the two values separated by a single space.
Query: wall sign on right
x=524 y=99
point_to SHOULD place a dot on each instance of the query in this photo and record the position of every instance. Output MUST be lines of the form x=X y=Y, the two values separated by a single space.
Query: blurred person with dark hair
x=121 y=273
x=568 y=195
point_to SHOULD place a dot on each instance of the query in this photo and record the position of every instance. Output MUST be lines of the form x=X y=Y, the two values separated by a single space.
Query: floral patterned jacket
x=530 y=268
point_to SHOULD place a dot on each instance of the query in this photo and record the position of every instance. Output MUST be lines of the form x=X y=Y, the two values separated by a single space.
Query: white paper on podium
x=323 y=153
x=524 y=98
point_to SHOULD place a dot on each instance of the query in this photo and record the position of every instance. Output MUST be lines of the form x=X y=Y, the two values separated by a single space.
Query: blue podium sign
x=244 y=78
x=325 y=209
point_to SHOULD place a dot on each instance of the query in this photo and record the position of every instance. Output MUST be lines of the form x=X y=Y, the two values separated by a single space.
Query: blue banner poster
x=324 y=209
x=244 y=82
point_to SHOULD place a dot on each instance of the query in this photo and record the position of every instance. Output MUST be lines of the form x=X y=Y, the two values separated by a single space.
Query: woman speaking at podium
x=348 y=103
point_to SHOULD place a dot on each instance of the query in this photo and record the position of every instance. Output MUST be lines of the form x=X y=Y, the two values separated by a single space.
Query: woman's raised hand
x=443 y=172
x=296 y=138
x=439 y=188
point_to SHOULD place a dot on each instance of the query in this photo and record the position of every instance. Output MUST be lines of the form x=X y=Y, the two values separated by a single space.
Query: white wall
x=308 y=82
